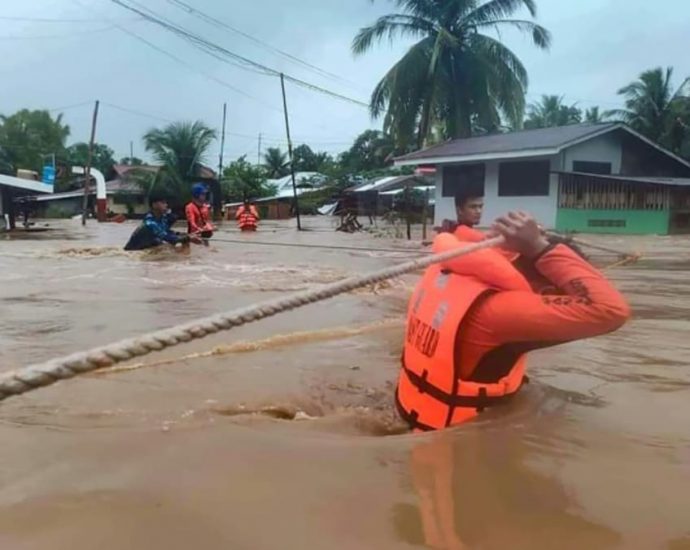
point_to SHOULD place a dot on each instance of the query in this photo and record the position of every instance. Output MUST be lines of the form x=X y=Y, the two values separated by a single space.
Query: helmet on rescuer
x=199 y=189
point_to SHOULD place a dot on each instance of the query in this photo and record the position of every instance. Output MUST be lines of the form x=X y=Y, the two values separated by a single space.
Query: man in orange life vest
x=198 y=213
x=469 y=206
x=472 y=320
x=247 y=216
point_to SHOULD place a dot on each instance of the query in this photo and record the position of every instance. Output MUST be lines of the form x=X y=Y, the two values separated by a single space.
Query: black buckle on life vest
x=425 y=381
x=412 y=417
x=480 y=401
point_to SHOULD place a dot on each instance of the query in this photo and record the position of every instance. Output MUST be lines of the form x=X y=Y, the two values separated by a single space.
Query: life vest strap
x=479 y=402
x=411 y=417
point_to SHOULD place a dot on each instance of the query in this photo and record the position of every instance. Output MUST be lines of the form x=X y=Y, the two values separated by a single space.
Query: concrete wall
x=606 y=148
x=636 y=222
x=542 y=207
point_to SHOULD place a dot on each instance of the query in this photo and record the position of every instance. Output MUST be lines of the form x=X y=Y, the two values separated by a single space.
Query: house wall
x=543 y=208
x=138 y=206
x=624 y=222
x=641 y=159
x=606 y=148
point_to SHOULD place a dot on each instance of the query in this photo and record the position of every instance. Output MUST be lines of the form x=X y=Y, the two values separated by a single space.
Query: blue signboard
x=49 y=175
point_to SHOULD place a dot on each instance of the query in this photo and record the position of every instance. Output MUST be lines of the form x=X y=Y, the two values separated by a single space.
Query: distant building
x=599 y=178
x=12 y=188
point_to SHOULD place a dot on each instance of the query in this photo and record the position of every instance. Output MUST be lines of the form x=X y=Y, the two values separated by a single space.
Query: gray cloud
x=599 y=45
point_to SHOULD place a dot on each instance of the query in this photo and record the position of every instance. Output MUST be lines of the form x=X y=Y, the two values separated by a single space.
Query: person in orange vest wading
x=471 y=321
x=247 y=217
x=198 y=213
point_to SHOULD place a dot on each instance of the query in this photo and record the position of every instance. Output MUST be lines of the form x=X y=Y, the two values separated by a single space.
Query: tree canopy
x=181 y=148
x=103 y=156
x=459 y=74
x=27 y=138
x=655 y=109
x=276 y=163
x=550 y=111
x=242 y=179
x=371 y=150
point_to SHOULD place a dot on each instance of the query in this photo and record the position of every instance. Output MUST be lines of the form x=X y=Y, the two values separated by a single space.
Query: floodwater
x=282 y=435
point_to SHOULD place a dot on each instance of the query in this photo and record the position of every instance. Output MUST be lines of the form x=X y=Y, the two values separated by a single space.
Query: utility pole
x=87 y=172
x=222 y=142
x=258 y=158
x=292 y=164
x=131 y=152
x=218 y=200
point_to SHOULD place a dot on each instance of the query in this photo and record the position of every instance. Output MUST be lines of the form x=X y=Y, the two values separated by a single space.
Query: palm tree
x=275 y=162
x=594 y=115
x=455 y=76
x=655 y=110
x=550 y=111
x=180 y=147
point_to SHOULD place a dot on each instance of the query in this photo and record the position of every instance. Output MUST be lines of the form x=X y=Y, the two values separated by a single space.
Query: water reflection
x=482 y=489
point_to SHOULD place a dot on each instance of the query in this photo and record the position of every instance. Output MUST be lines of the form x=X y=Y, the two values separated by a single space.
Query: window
x=468 y=177
x=524 y=179
x=591 y=167
x=607 y=223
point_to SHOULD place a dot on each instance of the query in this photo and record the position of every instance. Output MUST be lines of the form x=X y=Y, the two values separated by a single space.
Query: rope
x=598 y=247
x=323 y=246
x=45 y=374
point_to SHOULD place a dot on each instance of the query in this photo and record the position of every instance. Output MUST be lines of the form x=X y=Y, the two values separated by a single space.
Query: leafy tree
x=654 y=109
x=455 y=75
x=6 y=166
x=242 y=179
x=131 y=161
x=180 y=147
x=371 y=150
x=103 y=156
x=276 y=163
x=27 y=137
x=550 y=112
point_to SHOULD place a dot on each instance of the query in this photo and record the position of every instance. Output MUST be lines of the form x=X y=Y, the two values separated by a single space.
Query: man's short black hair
x=157 y=197
x=461 y=197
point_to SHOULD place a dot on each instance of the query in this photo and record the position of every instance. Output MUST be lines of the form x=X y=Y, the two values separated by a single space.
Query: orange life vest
x=430 y=393
x=247 y=218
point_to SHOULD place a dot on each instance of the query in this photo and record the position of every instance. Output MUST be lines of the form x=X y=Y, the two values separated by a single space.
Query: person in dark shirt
x=156 y=228
x=469 y=207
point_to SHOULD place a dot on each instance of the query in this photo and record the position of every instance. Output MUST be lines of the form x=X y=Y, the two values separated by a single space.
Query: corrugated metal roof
x=27 y=185
x=524 y=140
x=656 y=180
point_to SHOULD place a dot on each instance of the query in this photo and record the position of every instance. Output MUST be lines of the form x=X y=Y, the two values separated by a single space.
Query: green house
x=590 y=178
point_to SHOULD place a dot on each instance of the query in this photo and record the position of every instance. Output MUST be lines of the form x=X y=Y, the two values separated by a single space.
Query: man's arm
x=193 y=218
x=161 y=232
x=589 y=306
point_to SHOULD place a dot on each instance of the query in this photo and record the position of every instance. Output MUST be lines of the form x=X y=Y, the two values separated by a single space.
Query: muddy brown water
x=285 y=436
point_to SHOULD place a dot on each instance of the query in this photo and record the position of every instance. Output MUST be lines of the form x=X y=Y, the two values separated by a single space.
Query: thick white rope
x=44 y=374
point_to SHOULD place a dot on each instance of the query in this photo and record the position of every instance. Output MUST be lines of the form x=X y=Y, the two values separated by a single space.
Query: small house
x=598 y=178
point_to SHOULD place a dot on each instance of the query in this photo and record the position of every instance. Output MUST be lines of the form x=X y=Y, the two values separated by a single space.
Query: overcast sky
x=599 y=45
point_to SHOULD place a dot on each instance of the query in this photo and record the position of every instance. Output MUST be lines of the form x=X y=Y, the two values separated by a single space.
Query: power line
x=51 y=36
x=246 y=63
x=50 y=20
x=69 y=107
x=135 y=112
x=221 y=24
x=185 y=64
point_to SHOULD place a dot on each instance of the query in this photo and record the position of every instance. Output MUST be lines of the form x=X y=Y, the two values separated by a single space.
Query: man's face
x=470 y=213
x=201 y=199
x=159 y=207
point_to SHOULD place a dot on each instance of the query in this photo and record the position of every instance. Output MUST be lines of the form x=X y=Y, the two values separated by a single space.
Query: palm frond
x=499 y=9
x=392 y=26
x=541 y=37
